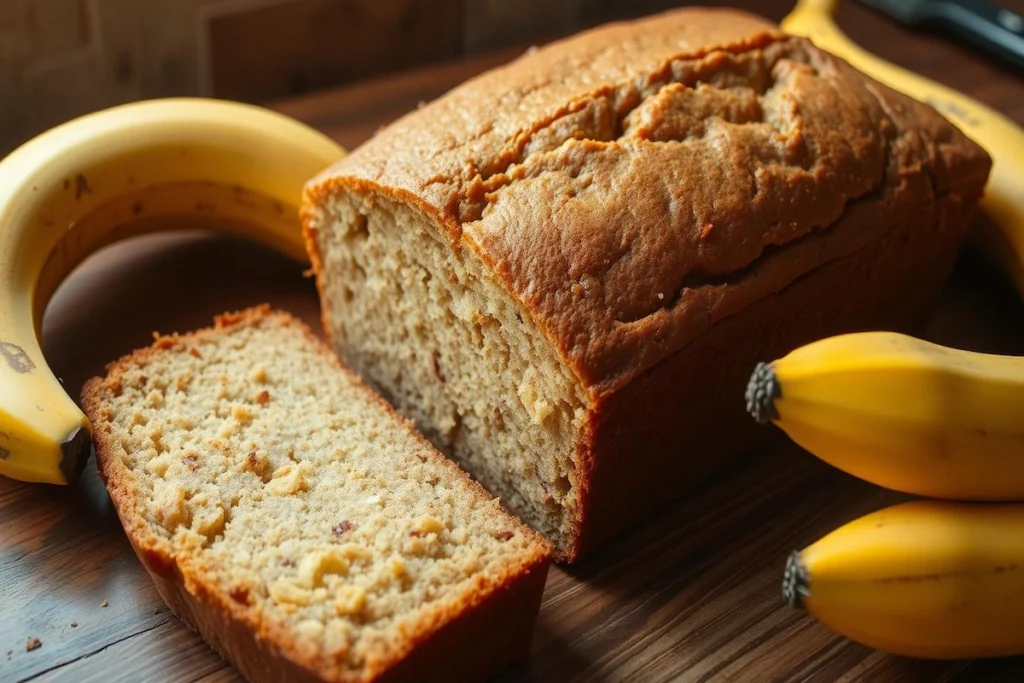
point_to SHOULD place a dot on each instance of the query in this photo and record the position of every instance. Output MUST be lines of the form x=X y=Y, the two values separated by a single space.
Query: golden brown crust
x=496 y=618
x=463 y=644
x=636 y=184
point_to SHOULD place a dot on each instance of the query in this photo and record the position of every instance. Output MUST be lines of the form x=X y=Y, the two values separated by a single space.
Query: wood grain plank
x=59 y=27
x=63 y=557
x=15 y=34
x=279 y=49
x=490 y=24
x=162 y=652
x=353 y=114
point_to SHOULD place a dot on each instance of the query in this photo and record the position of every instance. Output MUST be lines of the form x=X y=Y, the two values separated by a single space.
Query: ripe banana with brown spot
x=922 y=579
x=143 y=167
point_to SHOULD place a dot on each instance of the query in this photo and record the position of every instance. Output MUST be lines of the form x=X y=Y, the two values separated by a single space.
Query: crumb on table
x=74 y=624
x=32 y=643
x=104 y=603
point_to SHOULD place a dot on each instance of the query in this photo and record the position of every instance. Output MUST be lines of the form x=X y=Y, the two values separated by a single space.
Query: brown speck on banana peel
x=76 y=449
x=762 y=390
x=81 y=186
x=16 y=357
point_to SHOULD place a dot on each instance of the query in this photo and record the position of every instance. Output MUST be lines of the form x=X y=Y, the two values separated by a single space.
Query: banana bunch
x=143 y=167
x=933 y=579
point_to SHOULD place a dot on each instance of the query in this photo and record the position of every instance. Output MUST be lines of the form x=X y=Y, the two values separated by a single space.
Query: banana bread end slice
x=301 y=526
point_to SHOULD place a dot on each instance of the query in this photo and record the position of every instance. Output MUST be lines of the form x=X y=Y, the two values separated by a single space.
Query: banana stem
x=762 y=390
x=796 y=583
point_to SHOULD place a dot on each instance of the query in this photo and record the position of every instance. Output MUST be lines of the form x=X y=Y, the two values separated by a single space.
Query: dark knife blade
x=989 y=26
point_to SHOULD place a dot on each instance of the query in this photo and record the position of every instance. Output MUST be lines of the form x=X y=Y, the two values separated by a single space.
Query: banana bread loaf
x=302 y=527
x=565 y=269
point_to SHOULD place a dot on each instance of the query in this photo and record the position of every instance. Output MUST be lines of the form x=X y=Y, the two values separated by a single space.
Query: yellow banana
x=902 y=413
x=160 y=164
x=923 y=579
x=1001 y=242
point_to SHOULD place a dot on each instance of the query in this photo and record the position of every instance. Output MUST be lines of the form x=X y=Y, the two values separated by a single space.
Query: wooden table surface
x=691 y=595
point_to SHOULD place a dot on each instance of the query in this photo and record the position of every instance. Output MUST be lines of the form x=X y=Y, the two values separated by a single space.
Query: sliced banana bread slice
x=300 y=525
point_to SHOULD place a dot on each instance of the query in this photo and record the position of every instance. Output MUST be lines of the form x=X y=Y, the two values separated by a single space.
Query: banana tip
x=795 y=581
x=762 y=390
x=75 y=449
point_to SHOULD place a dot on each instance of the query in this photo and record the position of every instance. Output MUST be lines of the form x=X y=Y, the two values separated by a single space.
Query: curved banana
x=153 y=165
x=1001 y=242
x=902 y=413
x=922 y=579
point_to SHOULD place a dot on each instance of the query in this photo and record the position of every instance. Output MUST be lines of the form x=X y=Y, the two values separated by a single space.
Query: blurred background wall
x=63 y=58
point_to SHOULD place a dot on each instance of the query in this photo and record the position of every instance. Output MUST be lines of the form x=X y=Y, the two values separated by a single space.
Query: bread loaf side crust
x=469 y=644
x=681 y=435
x=670 y=201
x=493 y=624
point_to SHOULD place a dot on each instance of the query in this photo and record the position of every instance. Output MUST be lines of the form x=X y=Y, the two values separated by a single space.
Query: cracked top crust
x=635 y=184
